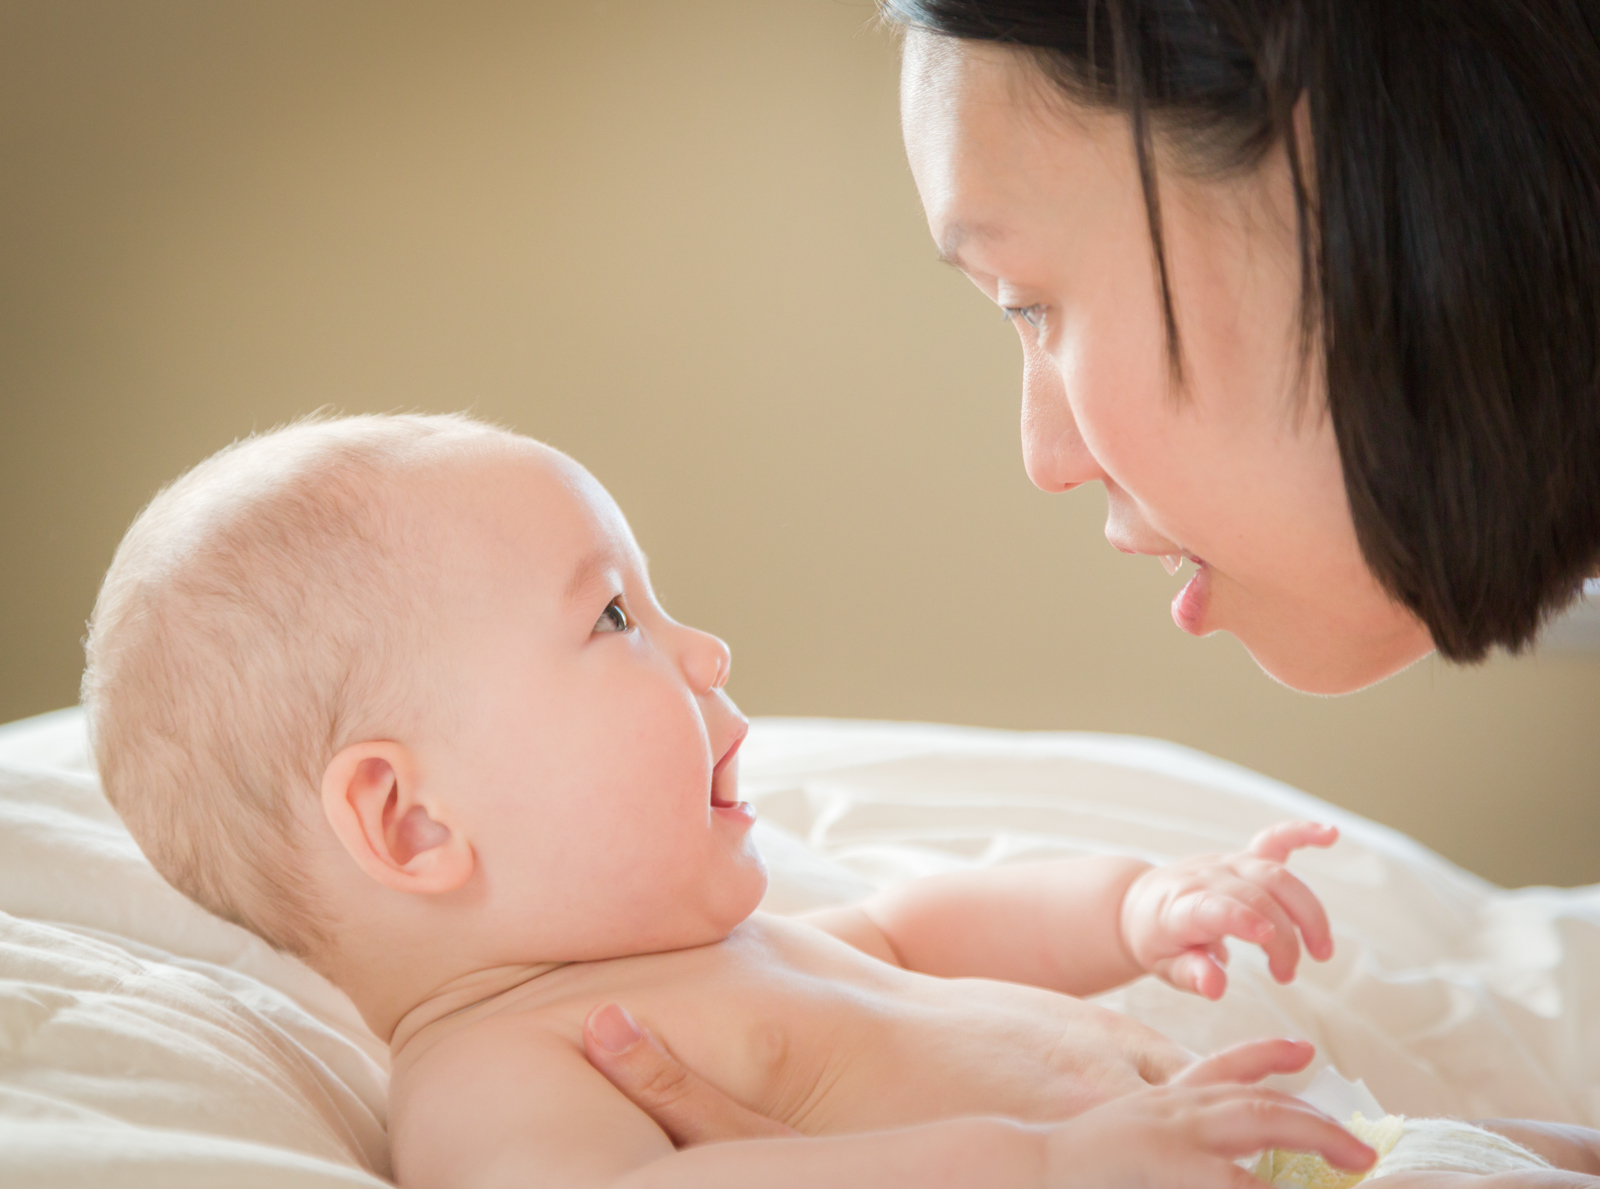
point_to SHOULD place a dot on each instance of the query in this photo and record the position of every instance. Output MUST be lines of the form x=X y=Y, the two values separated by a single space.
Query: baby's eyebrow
x=590 y=568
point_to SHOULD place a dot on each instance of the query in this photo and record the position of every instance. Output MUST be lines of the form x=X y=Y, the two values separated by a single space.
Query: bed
x=144 y=1042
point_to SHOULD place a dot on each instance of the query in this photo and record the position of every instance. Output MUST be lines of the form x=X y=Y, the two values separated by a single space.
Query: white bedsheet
x=143 y=1042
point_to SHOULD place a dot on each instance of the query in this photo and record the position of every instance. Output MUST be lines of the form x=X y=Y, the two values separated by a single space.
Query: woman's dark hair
x=1449 y=245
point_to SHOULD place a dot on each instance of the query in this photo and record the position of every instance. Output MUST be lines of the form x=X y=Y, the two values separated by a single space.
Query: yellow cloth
x=1307 y=1170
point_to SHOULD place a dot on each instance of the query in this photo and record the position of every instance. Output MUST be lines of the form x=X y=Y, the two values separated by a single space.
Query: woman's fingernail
x=614 y=1029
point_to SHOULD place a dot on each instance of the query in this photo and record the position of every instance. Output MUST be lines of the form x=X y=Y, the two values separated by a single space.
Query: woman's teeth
x=1171 y=562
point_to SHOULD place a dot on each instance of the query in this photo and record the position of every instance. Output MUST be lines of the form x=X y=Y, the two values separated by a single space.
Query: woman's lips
x=1190 y=604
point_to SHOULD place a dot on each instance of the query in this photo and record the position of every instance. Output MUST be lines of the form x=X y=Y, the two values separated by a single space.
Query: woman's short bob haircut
x=1450 y=252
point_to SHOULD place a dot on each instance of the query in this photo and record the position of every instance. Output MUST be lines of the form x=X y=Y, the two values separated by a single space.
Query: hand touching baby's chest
x=803 y=1029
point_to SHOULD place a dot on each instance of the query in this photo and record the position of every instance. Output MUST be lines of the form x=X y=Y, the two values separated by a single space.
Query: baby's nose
x=707 y=662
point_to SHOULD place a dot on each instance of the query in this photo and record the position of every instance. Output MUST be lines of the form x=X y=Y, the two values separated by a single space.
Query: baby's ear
x=398 y=836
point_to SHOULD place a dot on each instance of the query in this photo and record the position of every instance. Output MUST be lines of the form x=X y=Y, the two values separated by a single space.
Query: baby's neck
x=460 y=993
x=402 y=983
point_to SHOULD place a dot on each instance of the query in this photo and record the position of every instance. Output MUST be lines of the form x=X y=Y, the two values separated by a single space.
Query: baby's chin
x=687 y=925
x=750 y=896
x=742 y=898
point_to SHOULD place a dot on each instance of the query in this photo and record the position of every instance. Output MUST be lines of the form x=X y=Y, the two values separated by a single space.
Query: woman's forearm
x=960 y=1153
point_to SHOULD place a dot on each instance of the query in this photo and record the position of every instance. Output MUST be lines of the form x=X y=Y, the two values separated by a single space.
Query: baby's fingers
x=1280 y=841
x=1297 y=900
x=1279 y=938
x=1202 y=918
x=1235 y=907
x=1199 y=970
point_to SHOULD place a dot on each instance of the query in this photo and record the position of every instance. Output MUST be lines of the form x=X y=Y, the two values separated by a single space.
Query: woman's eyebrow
x=950 y=250
x=958 y=233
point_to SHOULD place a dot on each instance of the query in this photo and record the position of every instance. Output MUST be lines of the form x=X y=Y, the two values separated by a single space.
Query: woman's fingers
x=690 y=1110
x=1248 y=1062
x=1159 y=1061
x=1184 y=1134
x=1250 y=1120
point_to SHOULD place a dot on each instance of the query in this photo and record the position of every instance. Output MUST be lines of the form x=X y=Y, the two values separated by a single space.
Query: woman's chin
x=1330 y=663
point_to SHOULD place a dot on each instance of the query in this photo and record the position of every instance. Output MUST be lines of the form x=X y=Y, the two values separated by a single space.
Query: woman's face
x=1039 y=203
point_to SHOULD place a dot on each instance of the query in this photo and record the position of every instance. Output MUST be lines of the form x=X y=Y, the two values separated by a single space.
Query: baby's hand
x=1174 y=918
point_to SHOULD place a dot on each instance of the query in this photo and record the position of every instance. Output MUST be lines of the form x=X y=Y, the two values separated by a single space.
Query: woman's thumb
x=690 y=1110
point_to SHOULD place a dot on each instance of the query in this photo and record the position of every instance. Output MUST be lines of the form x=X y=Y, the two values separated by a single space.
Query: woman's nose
x=706 y=661
x=1053 y=451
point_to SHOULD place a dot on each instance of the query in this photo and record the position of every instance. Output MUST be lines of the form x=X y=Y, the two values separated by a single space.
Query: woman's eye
x=613 y=618
x=1033 y=315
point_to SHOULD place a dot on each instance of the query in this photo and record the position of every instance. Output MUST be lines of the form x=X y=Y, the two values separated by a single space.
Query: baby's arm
x=1087 y=925
x=506 y=1103
x=1051 y=924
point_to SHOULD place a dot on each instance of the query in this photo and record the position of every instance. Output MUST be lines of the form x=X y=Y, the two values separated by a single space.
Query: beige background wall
x=679 y=240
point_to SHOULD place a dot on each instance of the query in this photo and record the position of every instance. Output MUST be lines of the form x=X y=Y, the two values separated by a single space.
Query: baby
x=395 y=693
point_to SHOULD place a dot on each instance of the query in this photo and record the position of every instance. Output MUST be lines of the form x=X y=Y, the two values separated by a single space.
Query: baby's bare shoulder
x=507 y=1098
x=456 y=1055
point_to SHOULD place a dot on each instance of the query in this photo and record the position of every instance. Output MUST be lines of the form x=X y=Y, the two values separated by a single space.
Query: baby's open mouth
x=725 y=776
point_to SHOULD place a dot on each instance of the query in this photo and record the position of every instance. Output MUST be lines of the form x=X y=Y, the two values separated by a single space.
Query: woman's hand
x=1180 y=1135
x=690 y=1110
x=1174 y=918
x=1190 y=1131
x=1110 y=1055
x=1187 y=1132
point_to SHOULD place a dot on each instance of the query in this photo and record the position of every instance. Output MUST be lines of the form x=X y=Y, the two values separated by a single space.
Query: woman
x=1311 y=287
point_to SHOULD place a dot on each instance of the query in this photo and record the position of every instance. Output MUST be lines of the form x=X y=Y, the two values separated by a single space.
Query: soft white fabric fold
x=143 y=1042
x=1448 y=995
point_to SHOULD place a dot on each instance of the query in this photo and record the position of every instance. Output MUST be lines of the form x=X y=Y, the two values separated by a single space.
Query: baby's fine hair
x=265 y=610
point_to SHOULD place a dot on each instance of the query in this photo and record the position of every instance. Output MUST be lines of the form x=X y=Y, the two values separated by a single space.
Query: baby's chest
x=795 y=1048
x=826 y=1052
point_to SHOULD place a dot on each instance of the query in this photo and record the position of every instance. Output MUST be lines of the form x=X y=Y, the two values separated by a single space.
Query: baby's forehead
x=524 y=502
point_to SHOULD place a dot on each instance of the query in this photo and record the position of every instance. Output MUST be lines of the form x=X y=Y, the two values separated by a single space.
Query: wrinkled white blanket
x=143 y=1042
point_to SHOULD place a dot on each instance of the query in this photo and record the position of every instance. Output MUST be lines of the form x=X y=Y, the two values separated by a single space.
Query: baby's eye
x=1033 y=315
x=614 y=618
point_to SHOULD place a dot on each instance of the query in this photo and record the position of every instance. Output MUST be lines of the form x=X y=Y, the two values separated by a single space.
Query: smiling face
x=1039 y=203
x=584 y=735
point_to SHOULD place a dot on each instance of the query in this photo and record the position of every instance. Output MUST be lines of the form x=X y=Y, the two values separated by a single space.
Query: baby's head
x=401 y=681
